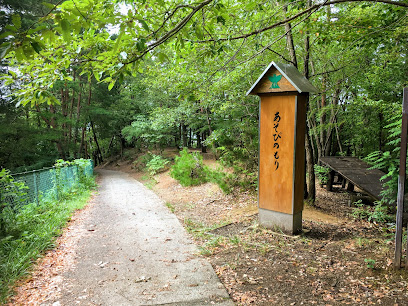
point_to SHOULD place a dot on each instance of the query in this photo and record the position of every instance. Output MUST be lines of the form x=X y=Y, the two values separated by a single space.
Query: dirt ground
x=336 y=260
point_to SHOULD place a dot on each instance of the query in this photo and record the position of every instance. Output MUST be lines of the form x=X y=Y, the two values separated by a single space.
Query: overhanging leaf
x=6 y=34
x=144 y=24
x=36 y=46
x=19 y=54
x=66 y=30
x=111 y=84
x=4 y=50
x=118 y=40
x=16 y=20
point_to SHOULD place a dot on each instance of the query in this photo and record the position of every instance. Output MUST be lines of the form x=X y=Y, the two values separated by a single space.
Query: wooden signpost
x=401 y=183
x=283 y=92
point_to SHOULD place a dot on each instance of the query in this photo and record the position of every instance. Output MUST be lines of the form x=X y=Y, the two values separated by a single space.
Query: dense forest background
x=91 y=78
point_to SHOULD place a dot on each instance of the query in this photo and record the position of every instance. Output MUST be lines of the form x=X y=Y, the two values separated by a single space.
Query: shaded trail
x=136 y=252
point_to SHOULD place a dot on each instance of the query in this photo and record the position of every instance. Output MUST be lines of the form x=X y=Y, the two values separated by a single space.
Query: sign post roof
x=279 y=77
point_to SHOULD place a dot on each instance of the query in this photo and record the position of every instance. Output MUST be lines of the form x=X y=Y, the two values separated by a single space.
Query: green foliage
x=222 y=179
x=189 y=169
x=378 y=215
x=27 y=230
x=365 y=123
x=141 y=162
x=156 y=164
x=359 y=212
x=10 y=189
x=322 y=173
x=170 y=207
x=370 y=263
x=84 y=167
x=388 y=161
x=31 y=230
x=149 y=88
x=237 y=145
x=71 y=176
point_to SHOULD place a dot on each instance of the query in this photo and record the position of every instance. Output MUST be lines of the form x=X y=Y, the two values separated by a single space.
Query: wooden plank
x=276 y=154
x=357 y=172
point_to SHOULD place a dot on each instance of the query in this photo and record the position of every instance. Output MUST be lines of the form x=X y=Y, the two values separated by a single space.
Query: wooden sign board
x=281 y=152
x=274 y=82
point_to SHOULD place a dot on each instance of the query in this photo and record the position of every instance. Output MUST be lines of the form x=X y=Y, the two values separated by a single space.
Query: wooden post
x=330 y=180
x=284 y=94
x=401 y=182
x=343 y=182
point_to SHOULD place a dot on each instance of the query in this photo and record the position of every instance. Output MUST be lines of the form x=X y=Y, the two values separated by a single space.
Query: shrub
x=9 y=189
x=141 y=162
x=322 y=174
x=156 y=164
x=189 y=169
x=220 y=178
x=85 y=180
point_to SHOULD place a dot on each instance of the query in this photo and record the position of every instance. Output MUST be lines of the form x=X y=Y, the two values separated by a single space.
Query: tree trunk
x=71 y=110
x=198 y=140
x=190 y=141
x=311 y=185
x=81 y=146
x=184 y=134
x=99 y=158
x=289 y=41
x=208 y=121
x=122 y=145
x=311 y=179
x=78 y=111
x=323 y=104
x=203 y=146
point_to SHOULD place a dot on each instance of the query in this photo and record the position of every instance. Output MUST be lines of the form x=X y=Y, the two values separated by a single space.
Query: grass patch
x=31 y=230
x=171 y=207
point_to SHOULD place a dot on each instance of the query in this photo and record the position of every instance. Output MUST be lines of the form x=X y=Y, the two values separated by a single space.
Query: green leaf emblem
x=275 y=79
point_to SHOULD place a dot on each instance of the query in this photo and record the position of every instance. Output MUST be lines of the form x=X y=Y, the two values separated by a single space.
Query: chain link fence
x=49 y=183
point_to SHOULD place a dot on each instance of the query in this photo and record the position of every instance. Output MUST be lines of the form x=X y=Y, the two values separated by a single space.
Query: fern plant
x=388 y=161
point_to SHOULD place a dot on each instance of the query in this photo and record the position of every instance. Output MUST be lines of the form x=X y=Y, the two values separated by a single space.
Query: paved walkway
x=137 y=253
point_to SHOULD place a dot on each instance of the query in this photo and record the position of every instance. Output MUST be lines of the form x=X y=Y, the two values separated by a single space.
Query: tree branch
x=282 y=22
x=168 y=17
x=172 y=32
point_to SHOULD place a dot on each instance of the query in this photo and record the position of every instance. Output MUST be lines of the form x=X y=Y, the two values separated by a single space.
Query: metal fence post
x=56 y=183
x=35 y=188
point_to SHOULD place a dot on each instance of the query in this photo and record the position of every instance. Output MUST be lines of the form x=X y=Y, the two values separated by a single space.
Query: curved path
x=137 y=253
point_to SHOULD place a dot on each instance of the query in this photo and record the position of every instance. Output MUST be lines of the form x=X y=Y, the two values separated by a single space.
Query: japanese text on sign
x=276 y=138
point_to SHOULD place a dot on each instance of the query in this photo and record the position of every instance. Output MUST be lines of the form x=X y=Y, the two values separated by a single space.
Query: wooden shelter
x=284 y=94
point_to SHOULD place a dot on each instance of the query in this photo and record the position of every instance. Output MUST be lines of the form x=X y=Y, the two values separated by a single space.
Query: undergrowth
x=31 y=229
x=151 y=162
x=378 y=214
x=190 y=170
